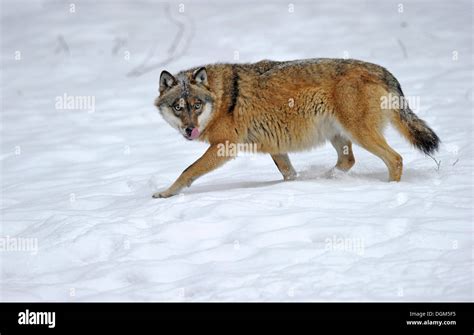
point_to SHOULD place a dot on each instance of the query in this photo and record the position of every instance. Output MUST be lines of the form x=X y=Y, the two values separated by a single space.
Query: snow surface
x=80 y=182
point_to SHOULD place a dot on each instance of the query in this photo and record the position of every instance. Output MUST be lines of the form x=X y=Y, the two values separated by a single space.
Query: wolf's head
x=186 y=102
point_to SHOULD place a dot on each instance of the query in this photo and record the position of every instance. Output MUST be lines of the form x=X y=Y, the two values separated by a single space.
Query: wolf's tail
x=414 y=129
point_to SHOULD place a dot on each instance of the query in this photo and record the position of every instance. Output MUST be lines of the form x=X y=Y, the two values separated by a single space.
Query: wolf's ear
x=166 y=81
x=200 y=76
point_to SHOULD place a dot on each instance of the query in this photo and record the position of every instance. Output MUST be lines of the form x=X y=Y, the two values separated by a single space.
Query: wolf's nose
x=189 y=131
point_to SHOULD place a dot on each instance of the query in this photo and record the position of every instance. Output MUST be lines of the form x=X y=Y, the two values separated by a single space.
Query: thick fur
x=284 y=107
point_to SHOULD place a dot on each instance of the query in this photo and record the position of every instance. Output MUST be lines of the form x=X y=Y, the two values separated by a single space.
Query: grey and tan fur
x=290 y=106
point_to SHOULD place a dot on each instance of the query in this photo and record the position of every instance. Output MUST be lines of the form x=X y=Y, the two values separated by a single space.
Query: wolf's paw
x=334 y=173
x=291 y=176
x=164 y=194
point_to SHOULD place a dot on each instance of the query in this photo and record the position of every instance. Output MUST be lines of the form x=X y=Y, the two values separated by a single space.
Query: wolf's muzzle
x=192 y=133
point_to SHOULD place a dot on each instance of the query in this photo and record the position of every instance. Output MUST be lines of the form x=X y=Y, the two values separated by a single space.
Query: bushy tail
x=417 y=132
x=414 y=129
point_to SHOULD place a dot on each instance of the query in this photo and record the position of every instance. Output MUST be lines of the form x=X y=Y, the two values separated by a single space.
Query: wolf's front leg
x=282 y=161
x=211 y=160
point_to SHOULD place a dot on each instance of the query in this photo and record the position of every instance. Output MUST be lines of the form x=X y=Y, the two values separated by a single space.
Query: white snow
x=79 y=183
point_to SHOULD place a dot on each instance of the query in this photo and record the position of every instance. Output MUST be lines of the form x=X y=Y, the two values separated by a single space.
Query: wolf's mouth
x=191 y=133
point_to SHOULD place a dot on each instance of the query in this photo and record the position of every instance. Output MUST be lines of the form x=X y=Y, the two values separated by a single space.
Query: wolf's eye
x=177 y=107
x=197 y=106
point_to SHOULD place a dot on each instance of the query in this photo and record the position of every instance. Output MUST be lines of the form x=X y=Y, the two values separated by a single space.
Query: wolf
x=289 y=106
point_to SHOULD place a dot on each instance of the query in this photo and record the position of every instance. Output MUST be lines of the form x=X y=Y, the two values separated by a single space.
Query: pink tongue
x=194 y=134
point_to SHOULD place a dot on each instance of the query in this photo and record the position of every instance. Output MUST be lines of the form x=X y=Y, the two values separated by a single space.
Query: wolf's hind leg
x=282 y=161
x=375 y=143
x=345 y=157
